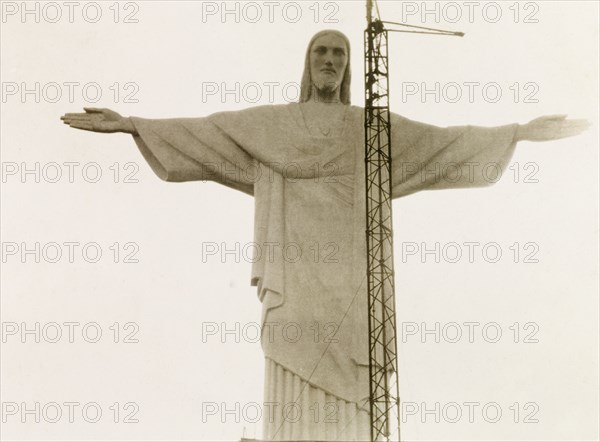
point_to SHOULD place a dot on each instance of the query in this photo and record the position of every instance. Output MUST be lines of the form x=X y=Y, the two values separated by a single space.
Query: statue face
x=328 y=61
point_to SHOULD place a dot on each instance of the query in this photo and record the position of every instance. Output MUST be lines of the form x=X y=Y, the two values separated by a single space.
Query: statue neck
x=325 y=95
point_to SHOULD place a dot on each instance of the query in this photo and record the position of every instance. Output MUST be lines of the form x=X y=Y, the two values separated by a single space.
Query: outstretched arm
x=99 y=120
x=179 y=149
x=426 y=157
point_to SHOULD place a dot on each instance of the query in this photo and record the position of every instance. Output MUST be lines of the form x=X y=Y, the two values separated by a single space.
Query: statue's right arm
x=100 y=120
x=181 y=149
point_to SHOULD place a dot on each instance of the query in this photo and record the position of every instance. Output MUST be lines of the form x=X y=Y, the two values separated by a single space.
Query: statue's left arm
x=426 y=157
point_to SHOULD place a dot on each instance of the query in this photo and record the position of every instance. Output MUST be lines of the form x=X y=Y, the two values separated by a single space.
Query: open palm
x=552 y=127
x=95 y=120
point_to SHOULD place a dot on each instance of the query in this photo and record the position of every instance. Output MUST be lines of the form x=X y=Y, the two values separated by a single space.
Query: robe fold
x=309 y=231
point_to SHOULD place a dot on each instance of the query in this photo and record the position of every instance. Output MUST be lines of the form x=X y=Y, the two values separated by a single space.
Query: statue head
x=327 y=67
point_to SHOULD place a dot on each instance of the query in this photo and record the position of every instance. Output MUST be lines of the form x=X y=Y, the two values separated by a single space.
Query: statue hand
x=99 y=120
x=552 y=127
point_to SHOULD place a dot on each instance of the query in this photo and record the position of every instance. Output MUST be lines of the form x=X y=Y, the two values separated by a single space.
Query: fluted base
x=300 y=411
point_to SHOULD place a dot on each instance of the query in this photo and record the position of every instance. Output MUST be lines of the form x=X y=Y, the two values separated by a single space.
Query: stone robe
x=309 y=234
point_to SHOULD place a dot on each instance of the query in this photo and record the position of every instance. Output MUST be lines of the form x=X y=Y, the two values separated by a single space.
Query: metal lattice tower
x=384 y=392
x=383 y=355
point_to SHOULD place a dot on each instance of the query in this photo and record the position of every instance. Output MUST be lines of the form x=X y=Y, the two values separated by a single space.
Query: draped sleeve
x=426 y=157
x=223 y=147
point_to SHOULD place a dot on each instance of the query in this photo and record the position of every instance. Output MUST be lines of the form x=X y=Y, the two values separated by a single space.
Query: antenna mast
x=384 y=395
x=384 y=398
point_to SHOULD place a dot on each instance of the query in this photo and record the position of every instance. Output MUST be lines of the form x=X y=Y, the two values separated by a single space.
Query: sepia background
x=174 y=358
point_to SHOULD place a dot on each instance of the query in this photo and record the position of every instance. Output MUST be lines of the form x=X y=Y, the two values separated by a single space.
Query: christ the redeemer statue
x=304 y=165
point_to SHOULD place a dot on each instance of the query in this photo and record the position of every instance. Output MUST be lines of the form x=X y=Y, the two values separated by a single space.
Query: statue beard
x=326 y=88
